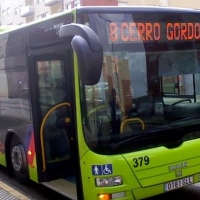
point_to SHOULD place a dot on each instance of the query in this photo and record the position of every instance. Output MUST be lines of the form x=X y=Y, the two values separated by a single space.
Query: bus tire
x=19 y=160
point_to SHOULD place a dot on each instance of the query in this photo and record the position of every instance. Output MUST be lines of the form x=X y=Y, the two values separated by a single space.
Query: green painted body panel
x=33 y=171
x=120 y=167
x=33 y=174
x=8 y=28
x=158 y=170
x=146 y=180
x=2 y=159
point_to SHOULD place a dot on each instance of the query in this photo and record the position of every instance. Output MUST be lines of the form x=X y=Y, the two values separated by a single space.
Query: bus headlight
x=109 y=181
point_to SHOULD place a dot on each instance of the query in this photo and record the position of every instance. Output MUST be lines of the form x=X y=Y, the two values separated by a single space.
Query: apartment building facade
x=16 y=12
x=171 y=3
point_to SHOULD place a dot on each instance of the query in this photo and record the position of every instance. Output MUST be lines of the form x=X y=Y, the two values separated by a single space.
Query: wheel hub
x=17 y=158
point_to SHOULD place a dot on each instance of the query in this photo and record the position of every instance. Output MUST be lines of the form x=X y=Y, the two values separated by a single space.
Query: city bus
x=103 y=102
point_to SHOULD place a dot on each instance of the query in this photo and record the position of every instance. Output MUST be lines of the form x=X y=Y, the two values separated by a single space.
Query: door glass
x=51 y=84
x=52 y=91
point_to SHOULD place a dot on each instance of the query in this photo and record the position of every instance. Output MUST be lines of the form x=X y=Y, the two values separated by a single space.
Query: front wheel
x=18 y=160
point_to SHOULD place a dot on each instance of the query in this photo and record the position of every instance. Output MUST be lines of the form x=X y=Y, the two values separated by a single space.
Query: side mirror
x=88 y=49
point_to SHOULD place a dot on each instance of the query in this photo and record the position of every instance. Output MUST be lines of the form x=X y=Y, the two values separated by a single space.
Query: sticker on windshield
x=102 y=169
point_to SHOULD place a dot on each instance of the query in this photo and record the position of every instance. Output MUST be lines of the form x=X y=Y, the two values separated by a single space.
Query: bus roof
x=8 y=28
x=135 y=9
x=102 y=9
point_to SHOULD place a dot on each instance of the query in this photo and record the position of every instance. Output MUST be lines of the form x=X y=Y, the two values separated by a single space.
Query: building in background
x=171 y=3
x=16 y=12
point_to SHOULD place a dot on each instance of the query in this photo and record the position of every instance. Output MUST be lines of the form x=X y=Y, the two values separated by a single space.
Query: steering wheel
x=189 y=100
x=131 y=120
x=67 y=120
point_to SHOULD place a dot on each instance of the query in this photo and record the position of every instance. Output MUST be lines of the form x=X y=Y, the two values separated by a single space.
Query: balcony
x=51 y=2
x=26 y=11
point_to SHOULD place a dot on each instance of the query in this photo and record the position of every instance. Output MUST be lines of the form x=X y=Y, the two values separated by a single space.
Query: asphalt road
x=38 y=192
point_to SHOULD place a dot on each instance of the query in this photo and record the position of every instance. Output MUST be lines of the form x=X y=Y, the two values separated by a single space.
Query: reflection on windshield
x=136 y=95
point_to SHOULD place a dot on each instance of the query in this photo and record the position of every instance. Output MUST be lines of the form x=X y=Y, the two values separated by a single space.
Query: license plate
x=178 y=183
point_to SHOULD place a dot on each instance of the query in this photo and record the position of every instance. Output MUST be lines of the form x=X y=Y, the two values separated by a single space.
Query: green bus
x=103 y=102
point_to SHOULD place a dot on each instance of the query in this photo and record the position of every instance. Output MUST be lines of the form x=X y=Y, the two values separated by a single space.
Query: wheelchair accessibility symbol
x=102 y=169
x=106 y=170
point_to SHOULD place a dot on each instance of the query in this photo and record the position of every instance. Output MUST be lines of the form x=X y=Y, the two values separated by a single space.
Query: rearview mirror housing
x=88 y=49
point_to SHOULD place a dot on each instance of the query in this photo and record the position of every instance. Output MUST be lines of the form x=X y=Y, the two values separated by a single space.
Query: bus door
x=53 y=105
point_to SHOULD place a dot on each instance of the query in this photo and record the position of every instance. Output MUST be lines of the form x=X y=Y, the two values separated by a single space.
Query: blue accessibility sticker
x=102 y=169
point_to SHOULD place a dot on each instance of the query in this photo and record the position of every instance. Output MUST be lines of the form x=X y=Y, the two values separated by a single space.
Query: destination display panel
x=120 y=32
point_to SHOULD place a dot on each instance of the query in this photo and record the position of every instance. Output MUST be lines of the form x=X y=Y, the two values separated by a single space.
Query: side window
x=14 y=94
x=51 y=84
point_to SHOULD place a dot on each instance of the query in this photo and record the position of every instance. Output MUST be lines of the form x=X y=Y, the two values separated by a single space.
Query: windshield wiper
x=185 y=119
x=168 y=136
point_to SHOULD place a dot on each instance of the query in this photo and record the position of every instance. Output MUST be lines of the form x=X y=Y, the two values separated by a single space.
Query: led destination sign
x=170 y=31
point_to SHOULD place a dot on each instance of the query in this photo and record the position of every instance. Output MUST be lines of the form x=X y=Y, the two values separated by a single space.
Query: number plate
x=178 y=183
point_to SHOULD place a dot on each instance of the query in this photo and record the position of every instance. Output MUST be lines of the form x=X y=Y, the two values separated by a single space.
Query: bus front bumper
x=142 y=193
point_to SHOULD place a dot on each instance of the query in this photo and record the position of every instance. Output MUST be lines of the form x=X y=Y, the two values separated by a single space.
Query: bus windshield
x=149 y=91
